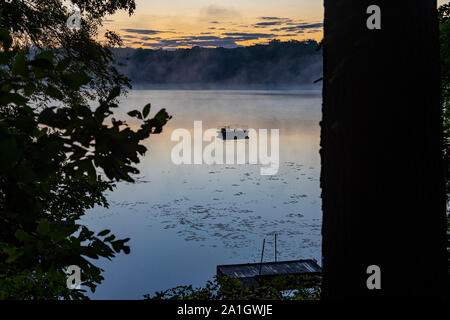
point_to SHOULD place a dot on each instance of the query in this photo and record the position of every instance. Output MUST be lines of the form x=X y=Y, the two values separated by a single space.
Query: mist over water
x=273 y=66
x=184 y=220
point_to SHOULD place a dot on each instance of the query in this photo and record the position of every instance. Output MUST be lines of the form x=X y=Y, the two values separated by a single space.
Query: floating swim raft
x=252 y=274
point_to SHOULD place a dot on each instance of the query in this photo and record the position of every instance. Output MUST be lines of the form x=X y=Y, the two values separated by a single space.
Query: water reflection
x=184 y=220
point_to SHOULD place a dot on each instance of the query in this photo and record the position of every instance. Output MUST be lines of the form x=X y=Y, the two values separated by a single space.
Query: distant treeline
x=291 y=63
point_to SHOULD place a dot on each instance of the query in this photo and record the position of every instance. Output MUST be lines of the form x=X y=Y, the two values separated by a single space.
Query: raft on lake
x=227 y=133
x=254 y=274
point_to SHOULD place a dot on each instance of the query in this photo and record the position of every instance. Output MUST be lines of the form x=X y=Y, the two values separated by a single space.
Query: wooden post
x=262 y=256
x=275 y=247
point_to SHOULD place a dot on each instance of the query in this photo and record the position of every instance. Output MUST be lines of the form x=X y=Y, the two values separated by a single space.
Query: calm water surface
x=184 y=220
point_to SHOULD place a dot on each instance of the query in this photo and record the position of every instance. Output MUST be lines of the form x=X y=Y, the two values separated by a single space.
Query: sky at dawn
x=171 y=24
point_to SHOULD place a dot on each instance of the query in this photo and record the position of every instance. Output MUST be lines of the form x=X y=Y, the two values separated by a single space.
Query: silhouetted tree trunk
x=382 y=171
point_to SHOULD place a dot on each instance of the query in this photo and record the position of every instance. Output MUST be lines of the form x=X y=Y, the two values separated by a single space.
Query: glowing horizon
x=172 y=24
x=175 y=24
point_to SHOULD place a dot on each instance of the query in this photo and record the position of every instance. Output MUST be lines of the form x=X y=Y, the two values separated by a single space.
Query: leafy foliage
x=53 y=146
x=43 y=24
x=444 y=19
x=223 y=288
x=444 y=28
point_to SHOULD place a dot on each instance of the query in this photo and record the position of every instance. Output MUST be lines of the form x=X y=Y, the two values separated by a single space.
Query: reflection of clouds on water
x=232 y=221
x=202 y=216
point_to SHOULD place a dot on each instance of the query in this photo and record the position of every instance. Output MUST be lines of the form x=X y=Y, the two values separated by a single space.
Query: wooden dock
x=252 y=274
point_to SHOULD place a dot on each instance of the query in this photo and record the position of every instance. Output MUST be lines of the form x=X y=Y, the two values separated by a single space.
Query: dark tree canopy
x=42 y=24
x=444 y=26
x=58 y=153
x=382 y=179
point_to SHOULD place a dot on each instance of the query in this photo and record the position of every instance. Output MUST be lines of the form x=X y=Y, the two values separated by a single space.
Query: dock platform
x=252 y=274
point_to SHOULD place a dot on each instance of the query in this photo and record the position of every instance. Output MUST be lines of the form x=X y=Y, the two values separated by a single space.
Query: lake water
x=185 y=220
